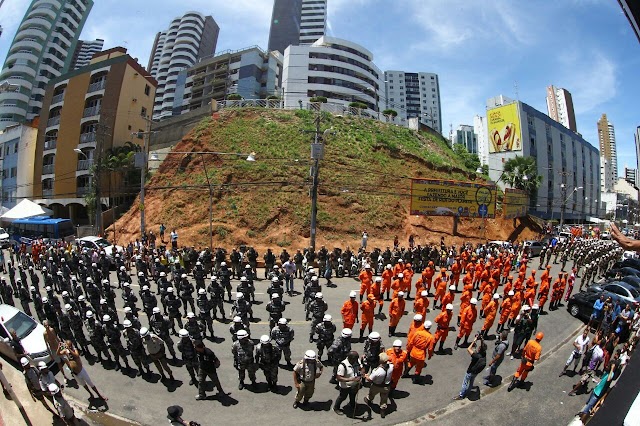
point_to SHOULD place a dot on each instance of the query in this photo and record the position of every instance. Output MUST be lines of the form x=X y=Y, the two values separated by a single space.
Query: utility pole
x=101 y=135
x=206 y=174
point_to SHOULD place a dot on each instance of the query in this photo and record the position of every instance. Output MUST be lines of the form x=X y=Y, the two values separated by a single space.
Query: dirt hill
x=364 y=184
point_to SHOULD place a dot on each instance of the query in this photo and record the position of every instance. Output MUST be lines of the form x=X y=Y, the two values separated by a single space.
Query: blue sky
x=479 y=48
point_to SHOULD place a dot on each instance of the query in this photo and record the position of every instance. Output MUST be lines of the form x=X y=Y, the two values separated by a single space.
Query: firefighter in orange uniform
x=449 y=297
x=505 y=311
x=468 y=317
x=530 y=354
x=420 y=346
x=543 y=294
x=427 y=276
x=490 y=312
x=421 y=304
x=368 y=308
x=396 y=311
x=387 y=276
x=416 y=324
x=456 y=269
x=508 y=286
x=465 y=299
x=516 y=303
x=441 y=287
x=397 y=357
x=349 y=311
x=366 y=279
x=407 y=277
x=377 y=293
x=443 y=320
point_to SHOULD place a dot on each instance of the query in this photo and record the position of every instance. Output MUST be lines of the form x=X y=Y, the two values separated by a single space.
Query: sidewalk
x=34 y=413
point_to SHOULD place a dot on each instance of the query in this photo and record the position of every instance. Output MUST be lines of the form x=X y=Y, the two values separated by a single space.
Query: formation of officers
x=184 y=301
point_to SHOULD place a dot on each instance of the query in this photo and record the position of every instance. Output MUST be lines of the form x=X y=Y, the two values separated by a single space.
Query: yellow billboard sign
x=432 y=197
x=505 y=133
x=516 y=203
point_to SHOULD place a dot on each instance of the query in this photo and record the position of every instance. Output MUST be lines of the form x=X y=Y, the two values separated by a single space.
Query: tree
x=470 y=161
x=359 y=105
x=390 y=113
x=515 y=170
x=234 y=97
x=319 y=99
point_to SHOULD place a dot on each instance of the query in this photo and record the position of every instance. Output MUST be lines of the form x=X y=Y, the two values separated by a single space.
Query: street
x=145 y=399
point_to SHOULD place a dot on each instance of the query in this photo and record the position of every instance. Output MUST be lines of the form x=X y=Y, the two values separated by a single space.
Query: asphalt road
x=145 y=399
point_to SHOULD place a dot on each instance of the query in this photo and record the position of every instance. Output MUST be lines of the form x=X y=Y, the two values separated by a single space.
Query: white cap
x=156 y=310
x=511 y=293
x=449 y=307
x=282 y=321
x=275 y=296
x=318 y=295
x=428 y=324
x=202 y=291
x=24 y=361
x=191 y=315
x=237 y=319
x=53 y=388
x=242 y=334
x=397 y=343
x=374 y=335
x=183 y=333
x=346 y=332
x=265 y=339
x=127 y=310
x=352 y=294
x=401 y=294
x=424 y=293
x=452 y=287
x=239 y=295
x=327 y=317
x=496 y=296
x=106 y=318
x=309 y=355
x=417 y=317
x=400 y=275
x=144 y=331
x=474 y=301
x=89 y=314
x=67 y=307
x=126 y=323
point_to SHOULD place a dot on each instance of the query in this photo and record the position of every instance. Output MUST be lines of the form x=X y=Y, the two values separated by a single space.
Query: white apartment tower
x=480 y=129
x=414 y=95
x=42 y=49
x=608 y=155
x=313 y=20
x=85 y=49
x=188 y=39
x=560 y=107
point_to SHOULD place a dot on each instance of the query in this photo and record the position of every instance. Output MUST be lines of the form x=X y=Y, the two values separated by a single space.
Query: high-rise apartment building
x=631 y=176
x=251 y=73
x=636 y=137
x=17 y=149
x=608 y=154
x=466 y=136
x=42 y=49
x=414 y=95
x=296 y=22
x=93 y=109
x=85 y=49
x=560 y=107
x=480 y=129
x=188 y=39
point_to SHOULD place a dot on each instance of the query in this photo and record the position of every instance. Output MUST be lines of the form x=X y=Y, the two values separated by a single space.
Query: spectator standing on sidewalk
x=72 y=359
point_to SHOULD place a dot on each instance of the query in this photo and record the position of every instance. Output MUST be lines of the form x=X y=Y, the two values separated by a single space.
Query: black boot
x=390 y=331
x=457 y=342
x=441 y=348
x=361 y=334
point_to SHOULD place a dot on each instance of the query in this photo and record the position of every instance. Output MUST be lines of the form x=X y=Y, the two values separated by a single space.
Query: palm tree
x=522 y=173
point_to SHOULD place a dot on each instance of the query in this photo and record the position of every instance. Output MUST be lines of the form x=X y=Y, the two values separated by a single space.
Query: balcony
x=81 y=191
x=50 y=144
x=98 y=85
x=53 y=121
x=47 y=193
x=84 y=165
x=88 y=137
x=48 y=169
x=57 y=99
x=92 y=111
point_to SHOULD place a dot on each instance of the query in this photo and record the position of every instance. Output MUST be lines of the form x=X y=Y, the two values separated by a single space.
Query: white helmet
x=202 y=291
x=183 y=333
x=106 y=318
x=318 y=295
x=191 y=315
x=397 y=343
x=309 y=355
x=449 y=307
x=223 y=264
x=352 y=294
x=243 y=279
x=127 y=310
x=374 y=335
x=144 y=331
x=265 y=339
x=417 y=317
x=145 y=287
x=183 y=276
x=239 y=295
x=237 y=319
x=424 y=293
x=275 y=296
x=274 y=280
x=474 y=301
x=314 y=278
x=496 y=296
x=378 y=279
x=427 y=324
x=346 y=332
x=401 y=294
x=141 y=274
x=452 y=287
x=282 y=321
x=169 y=289
x=156 y=310
x=67 y=307
x=327 y=317
x=242 y=334
x=400 y=275
x=89 y=314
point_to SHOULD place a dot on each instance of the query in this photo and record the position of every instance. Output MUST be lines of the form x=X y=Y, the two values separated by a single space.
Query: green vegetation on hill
x=364 y=176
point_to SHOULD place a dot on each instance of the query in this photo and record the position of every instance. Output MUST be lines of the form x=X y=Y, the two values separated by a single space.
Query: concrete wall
x=171 y=130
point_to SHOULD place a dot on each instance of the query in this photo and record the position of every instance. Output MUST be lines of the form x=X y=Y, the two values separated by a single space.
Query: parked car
x=580 y=305
x=565 y=236
x=622 y=289
x=606 y=235
x=30 y=332
x=622 y=272
x=629 y=254
x=535 y=247
x=100 y=244
x=5 y=240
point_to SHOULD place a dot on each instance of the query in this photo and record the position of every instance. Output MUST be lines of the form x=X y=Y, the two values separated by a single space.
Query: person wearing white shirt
x=579 y=346
x=348 y=375
x=380 y=379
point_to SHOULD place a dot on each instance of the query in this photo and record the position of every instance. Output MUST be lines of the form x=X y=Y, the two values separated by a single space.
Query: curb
x=94 y=415
x=454 y=406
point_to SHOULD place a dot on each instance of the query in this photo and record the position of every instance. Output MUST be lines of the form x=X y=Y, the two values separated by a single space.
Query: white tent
x=26 y=208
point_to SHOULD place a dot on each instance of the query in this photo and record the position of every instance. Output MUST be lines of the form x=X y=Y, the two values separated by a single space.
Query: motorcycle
x=340 y=268
x=354 y=267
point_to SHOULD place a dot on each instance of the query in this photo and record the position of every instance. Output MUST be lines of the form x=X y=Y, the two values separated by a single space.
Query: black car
x=581 y=304
x=622 y=272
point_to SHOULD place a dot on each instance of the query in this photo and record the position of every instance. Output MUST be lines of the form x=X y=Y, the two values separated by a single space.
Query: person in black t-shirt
x=209 y=364
x=478 y=353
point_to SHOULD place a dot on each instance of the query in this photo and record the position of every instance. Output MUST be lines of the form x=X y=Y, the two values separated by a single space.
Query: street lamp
x=564 y=202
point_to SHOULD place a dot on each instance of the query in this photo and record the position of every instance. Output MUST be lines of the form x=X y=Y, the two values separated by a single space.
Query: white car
x=4 y=238
x=629 y=255
x=606 y=235
x=30 y=332
x=100 y=244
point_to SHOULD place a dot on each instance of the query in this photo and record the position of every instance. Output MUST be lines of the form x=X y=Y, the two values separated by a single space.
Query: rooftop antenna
x=515 y=85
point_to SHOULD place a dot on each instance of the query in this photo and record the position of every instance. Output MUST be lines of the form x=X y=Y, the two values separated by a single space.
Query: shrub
x=321 y=99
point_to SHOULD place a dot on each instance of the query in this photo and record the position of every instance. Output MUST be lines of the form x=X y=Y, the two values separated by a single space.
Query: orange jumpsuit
x=366 y=279
x=490 y=314
x=415 y=326
x=367 y=307
x=397 y=358
x=405 y=286
x=448 y=298
x=456 y=268
x=530 y=354
x=398 y=268
x=467 y=318
x=516 y=302
x=443 y=320
x=441 y=288
x=396 y=311
x=427 y=276
x=465 y=300
x=419 y=346
x=505 y=311
x=543 y=294
x=529 y=295
x=396 y=287
x=486 y=298
x=387 y=276
x=375 y=291
x=349 y=313
x=508 y=286
x=419 y=285
x=556 y=288
x=420 y=305
x=478 y=274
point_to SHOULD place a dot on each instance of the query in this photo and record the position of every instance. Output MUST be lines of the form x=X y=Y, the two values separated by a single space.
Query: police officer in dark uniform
x=136 y=347
x=130 y=299
x=236 y=326
x=225 y=278
x=252 y=256
x=173 y=307
x=310 y=292
x=317 y=308
x=79 y=339
x=50 y=313
x=267 y=358
x=128 y=315
x=189 y=355
x=326 y=331
x=275 y=308
x=283 y=335
x=235 y=263
x=204 y=313
x=373 y=347
x=112 y=332
x=199 y=275
x=186 y=293
x=275 y=287
x=37 y=303
x=25 y=298
x=217 y=298
x=243 y=358
x=338 y=351
x=269 y=261
x=160 y=326
x=96 y=335
x=149 y=300
x=193 y=327
x=242 y=308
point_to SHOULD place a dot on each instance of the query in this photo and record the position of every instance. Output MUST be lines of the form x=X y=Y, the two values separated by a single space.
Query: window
x=147 y=89
x=143 y=112
x=140 y=134
x=6 y=150
x=14 y=172
x=15 y=148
